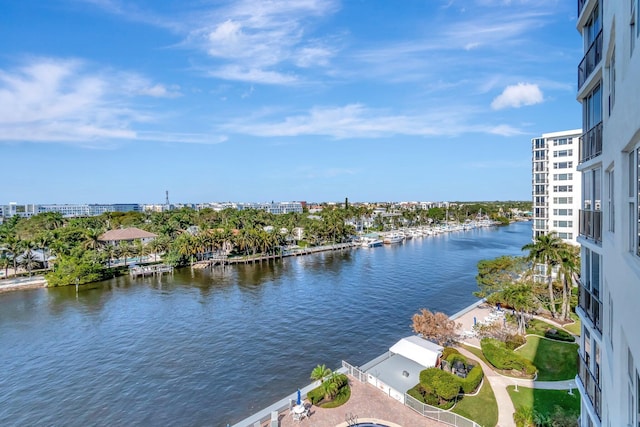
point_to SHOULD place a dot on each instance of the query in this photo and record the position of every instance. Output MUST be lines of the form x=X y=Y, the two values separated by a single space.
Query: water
x=209 y=348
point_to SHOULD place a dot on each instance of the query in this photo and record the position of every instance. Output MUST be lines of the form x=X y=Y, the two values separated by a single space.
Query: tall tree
x=569 y=270
x=547 y=250
x=436 y=326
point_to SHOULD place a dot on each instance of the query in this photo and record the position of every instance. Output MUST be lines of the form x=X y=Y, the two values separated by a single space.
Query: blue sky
x=376 y=100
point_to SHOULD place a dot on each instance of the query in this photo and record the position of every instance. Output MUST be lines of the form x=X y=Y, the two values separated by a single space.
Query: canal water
x=207 y=348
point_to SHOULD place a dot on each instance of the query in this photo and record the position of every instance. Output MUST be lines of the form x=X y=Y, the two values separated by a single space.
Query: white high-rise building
x=556 y=185
x=609 y=91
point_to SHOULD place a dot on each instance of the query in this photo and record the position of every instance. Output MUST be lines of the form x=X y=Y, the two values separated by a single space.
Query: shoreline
x=11 y=285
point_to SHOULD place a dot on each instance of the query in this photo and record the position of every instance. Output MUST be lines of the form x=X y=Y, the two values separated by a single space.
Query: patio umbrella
x=299 y=399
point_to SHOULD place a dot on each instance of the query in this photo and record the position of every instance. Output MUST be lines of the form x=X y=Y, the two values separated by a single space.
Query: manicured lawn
x=477 y=352
x=482 y=408
x=546 y=402
x=555 y=360
x=574 y=328
x=538 y=327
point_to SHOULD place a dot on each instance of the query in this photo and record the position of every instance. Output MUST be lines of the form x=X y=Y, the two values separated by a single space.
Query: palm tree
x=126 y=250
x=547 y=250
x=13 y=244
x=320 y=372
x=4 y=264
x=569 y=269
x=521 y=297
x=92 y=241
x=43 y=241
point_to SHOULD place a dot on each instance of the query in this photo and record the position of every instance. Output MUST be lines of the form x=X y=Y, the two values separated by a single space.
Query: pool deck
x=368 y=404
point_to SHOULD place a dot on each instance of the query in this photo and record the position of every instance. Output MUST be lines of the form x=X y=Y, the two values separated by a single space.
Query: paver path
x=499 y=383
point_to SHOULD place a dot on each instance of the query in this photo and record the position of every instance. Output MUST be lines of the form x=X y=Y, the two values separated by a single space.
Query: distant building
x=273 y=207
x=556 y=185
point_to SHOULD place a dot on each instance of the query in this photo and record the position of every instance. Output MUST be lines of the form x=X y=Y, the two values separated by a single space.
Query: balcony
x=581 y=4
x=591 y=385
x=591 y=225
x=591 y=307
x=591 y=59
x=591 y=143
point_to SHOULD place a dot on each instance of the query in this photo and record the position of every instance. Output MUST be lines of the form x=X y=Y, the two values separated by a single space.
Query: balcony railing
x=581 y=4
x=591 y=59
x=591 y=306
x=591 y=385
x=591 y=143
x=591 y=225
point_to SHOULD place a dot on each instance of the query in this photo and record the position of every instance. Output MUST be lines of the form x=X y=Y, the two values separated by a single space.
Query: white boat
x=372 y=243
x=392 y=239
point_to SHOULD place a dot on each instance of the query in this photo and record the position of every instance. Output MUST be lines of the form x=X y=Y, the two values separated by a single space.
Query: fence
x=423 y=409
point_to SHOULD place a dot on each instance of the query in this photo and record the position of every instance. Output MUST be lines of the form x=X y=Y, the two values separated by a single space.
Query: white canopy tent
x=418 y=349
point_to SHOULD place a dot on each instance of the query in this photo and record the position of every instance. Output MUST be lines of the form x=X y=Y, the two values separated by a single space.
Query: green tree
x=496 y=274
x=547 y=250
x=521 y=297
x=569 y=270
x=320 y=372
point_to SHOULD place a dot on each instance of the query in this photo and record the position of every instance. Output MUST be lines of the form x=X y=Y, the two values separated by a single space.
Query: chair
x=274 y=419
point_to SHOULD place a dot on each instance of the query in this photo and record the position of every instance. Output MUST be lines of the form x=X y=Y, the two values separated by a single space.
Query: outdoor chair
x=274 y=419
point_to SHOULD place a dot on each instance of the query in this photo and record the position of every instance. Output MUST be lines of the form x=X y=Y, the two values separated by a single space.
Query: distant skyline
x=109 y=101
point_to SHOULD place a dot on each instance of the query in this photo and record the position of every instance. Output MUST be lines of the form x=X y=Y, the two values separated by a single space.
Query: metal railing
x=591 y=143
x=591 y=306
x=423 y=409
x=591 y=59
x=591 y=385
x=591 y=225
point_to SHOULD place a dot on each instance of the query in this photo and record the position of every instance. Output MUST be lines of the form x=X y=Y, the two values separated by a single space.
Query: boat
x=372 y=243
x=392 y=239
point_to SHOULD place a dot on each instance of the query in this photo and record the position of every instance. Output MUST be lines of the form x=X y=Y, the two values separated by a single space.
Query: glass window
x=611 y=201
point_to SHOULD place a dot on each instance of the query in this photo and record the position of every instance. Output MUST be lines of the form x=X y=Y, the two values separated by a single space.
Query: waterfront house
x=116 y=237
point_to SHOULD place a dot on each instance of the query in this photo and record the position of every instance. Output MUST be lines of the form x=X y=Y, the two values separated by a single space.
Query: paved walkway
x=367 y=403
x=499 y=384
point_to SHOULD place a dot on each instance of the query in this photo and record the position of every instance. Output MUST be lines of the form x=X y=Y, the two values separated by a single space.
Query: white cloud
x=516 y=96
x=359 y=121
x=505 y=130
x=254 y=41
x=53 y=100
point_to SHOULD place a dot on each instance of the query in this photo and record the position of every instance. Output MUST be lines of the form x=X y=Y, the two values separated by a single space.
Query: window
x=591 y=196
x=634 y=201
x=612 y=80
x=563 y=200
x=592 y=108
x=563 y=165
x=632 y=26
x=562 y=141
x=563 y=224
x=611 y=206
x=563 y=176
x=592 y=28
x=565 y=236
x=563 y=188
x=563 y=153
x=610 y=326
x=563 y=212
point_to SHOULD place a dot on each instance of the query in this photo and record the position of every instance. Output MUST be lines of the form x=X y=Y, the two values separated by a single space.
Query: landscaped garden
x=555 y=360
x=543 y=329
x=443 y=386
x=333 y=391
x=537 y=407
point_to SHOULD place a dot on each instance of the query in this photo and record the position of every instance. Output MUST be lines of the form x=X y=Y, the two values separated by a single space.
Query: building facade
x=556 y=185
x=609 y=224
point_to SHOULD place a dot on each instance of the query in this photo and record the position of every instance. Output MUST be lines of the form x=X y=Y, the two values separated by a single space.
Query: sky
x=118 y=101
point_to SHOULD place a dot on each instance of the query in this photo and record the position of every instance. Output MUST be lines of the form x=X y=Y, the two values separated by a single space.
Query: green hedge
x=559 y=335
x=444 y=384
x=315 y=395
x=501 y=357
x=471 y=383
x=449 y=351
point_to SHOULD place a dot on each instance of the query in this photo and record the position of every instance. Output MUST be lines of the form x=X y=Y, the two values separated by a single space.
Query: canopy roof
x=125 y=234
x=418 y=349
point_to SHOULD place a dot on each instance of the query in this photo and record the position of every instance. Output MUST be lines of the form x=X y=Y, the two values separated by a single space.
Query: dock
x=150 y=270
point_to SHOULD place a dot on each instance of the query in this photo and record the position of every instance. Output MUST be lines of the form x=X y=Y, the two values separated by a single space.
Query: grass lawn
x=574 y=328
x=482 y=408
x=476 y=352
x=538 y=327
x=546 y=401
x=555 y=360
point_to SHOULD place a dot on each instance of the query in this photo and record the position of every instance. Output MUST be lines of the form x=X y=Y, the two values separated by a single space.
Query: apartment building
x=609 y=224
x=556 y=185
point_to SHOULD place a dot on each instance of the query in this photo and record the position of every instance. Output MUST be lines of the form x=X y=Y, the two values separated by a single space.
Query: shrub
x=444 y=384
x=559 y=334
x=501 y=357
x=474 y=377
x=514 y=341
x=453 y=358
x=315 y=395
x=449 y=351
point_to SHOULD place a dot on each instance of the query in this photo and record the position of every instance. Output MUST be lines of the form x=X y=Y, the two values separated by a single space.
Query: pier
x=150 y=270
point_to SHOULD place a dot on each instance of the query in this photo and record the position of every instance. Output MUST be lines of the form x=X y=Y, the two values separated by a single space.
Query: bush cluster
x=447 y=351
x=471 y=383
x=514 y=341
x=559 y=335
x=315 y=395
x=501 y=357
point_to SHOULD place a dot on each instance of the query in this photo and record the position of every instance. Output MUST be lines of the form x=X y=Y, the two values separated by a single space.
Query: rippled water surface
x=207 y=348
